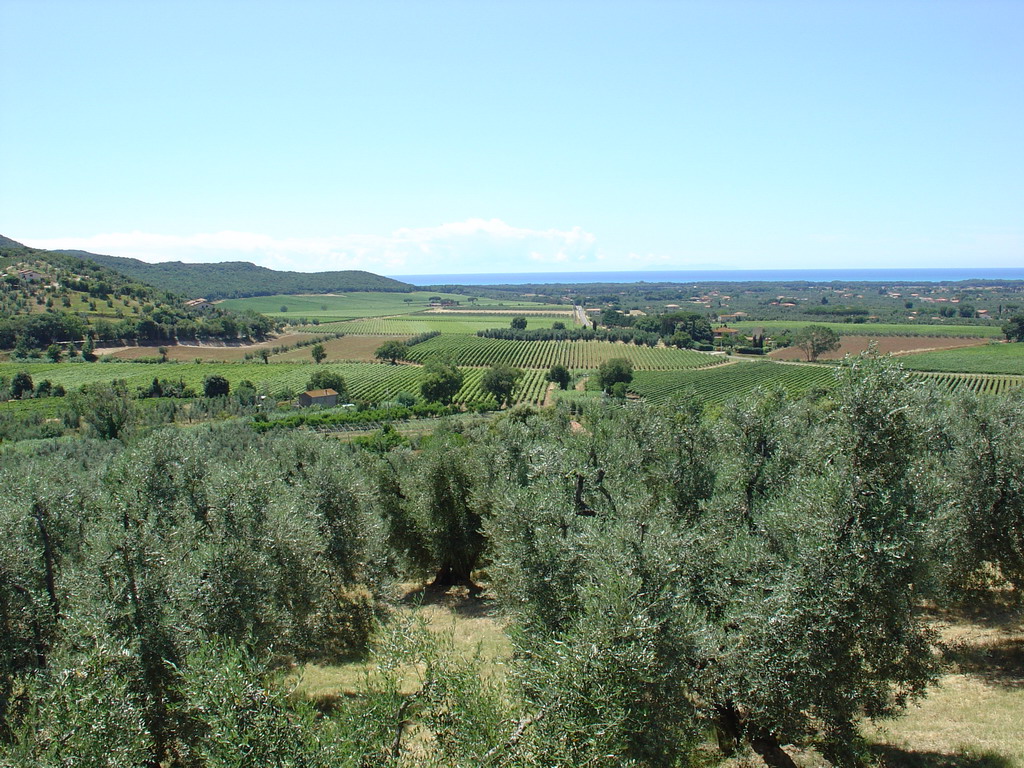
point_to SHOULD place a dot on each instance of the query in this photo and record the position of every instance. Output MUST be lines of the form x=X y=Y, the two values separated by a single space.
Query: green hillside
x=55 y=297
x=235 y=279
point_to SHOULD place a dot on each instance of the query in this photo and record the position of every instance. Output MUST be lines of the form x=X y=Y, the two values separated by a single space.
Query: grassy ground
x=973 y=719
x=474 y=630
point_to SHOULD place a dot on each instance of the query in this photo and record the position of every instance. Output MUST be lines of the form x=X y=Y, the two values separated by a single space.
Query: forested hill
x=235 y=279
x=61 y=297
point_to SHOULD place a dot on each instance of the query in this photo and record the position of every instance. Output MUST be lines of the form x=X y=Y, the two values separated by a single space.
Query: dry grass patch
x=470 y=622
x=974 y=718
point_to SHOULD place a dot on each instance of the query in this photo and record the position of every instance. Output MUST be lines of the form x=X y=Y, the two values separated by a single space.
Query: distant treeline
x=572 y=334
x=237 y=279
x=163 y=325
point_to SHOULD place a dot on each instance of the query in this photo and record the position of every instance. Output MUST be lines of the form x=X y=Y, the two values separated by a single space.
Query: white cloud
x=471 y=246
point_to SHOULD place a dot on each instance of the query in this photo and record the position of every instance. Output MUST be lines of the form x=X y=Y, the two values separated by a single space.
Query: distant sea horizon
x=908 y=274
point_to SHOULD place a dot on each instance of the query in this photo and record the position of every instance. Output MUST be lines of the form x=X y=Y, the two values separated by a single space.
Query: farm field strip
x=724 y=382
x=550 y=311
x=874 y=329
x=884 y=345
x=336 y=306
x=192 y=352
x=575 y=355
x=979 y=383
x=345 y=349
x=358 y=304
x=1005 y=358
x=374 y=382
x=410 y=325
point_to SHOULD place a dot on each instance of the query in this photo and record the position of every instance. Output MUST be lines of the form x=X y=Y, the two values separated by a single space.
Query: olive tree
x=981 y=528
x=107 y=409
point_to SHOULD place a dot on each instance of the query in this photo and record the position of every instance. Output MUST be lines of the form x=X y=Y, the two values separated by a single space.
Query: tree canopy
x=1014 y=329
x=441 y=381
x=501 y=380
x=618 y=370
x=560 y=375
x=392 y=351
x=754 y=571
x=327 y=379
x=814 y=340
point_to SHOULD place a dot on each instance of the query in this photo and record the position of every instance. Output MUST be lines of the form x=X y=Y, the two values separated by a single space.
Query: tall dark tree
x=559 y=374
x=216 y=386
x=500 y=381
x=441 y=381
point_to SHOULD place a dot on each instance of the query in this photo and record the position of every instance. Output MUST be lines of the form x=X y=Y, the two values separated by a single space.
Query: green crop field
x=981 y=383
x=410 y=325
x=336 y=306
x=992 y=358
x=724 y=382
x=874 y=329
x=575 y=355
x=354 y=305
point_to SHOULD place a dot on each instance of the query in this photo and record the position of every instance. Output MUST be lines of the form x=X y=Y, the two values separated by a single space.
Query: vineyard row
x=574 y=355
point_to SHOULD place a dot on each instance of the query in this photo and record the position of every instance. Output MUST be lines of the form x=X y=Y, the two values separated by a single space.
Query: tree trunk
x=728 y=729
x=451 y=576
x=39 y=513
x=768 y=747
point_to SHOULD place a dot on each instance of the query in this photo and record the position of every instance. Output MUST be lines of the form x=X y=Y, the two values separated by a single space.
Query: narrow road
x=581 y=316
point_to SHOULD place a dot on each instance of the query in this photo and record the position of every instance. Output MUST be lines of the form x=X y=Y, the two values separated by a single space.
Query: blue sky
x=446 y=137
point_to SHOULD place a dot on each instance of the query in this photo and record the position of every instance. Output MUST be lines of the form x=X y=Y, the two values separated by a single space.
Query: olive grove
x=748 y=577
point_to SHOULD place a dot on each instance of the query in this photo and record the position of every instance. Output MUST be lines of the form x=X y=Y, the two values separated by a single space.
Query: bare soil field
x=212 y=352
x=894 y=345
x=358 y=348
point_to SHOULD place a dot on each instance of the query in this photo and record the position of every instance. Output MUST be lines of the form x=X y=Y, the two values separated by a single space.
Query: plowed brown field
x=358 y=348
x=895 y=345
x=215 y=353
